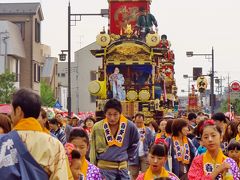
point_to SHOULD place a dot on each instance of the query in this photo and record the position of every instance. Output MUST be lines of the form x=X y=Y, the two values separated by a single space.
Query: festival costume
x=111 y=154
x=182 y=156
x=150 y=176
x=158 y=84
x=238 y=138
x=60 y=135
x=162 y=135
x=117 y=81
x=90 y=171
x=203 y=165
x=29 y=141
x=140 y=162
x=145 y=23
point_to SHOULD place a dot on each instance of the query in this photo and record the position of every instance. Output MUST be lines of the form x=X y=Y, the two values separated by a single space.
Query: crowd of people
x=35 y=145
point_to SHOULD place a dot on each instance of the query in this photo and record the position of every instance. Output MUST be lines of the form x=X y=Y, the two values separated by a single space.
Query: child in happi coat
x=75 y=163
x=234 y=151
x=213 y=164
x=157 y=158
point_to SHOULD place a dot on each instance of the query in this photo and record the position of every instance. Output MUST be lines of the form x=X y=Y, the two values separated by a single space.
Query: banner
x=122 y=13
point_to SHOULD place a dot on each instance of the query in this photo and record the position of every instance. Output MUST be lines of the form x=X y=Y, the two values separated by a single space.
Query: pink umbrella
x=5 y=108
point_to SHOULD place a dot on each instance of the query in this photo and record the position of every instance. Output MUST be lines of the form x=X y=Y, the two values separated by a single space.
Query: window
x=37 y=31
x=37 y=72
x=93 y=75
x=62 y=74
x=21 y=26
x=93 y=99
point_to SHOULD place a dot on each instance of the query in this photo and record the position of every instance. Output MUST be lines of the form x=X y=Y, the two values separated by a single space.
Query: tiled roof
x=19 y=8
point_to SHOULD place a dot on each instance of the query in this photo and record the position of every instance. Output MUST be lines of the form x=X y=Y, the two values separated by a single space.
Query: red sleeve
x=196 y=170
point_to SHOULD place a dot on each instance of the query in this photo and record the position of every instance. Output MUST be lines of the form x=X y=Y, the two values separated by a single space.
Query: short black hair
x=28 y=101
x=53 y=121
x=177 y=126
x=78 y=132
x=139 y=115
x=141 y=9
x=159 y=150
x=113 y=104
x=192 y=116
x=233 y=145
x=219 y=117
x=75 y=154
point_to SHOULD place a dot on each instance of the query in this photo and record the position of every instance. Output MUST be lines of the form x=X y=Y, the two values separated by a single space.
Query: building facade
x=31 y=54
x=83 y=70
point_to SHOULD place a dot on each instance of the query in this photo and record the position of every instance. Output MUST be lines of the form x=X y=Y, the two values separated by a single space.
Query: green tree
x=235 y=102
x=7 y=87
x=47 y=95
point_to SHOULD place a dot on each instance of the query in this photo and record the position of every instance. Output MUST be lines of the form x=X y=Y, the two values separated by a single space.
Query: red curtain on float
x=124 y=12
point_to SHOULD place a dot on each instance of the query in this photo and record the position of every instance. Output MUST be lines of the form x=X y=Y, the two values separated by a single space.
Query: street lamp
x=190 y=54
x=76 y=17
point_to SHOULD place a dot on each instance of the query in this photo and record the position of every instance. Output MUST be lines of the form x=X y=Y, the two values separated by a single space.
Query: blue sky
x=190 y=25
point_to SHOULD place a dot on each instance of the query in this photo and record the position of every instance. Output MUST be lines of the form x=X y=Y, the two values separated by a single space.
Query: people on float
x=157 y=157
x=79 y=138
x=115 y=140
x=158 y=83
x=116 y=80
x=31 y=153
x=234 y=151
x=74 y=158
x=145 y=22
x=146 y=139
x=182 y=149
x=162 y=130
x=213 y=164
x=5 y=125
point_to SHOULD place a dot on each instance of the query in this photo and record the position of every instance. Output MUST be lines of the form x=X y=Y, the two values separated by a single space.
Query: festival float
x=139 y=61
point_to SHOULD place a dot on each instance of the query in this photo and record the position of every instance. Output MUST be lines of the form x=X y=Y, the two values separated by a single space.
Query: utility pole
x=229 y=96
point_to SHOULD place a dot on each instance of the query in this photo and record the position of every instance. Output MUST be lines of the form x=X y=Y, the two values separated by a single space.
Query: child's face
x=156 y=162
x=75 y=168
x=81 y=145
x=234 y=154
x=211 y=138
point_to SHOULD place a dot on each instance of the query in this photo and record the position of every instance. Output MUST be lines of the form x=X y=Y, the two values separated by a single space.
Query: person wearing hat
x=145 y=22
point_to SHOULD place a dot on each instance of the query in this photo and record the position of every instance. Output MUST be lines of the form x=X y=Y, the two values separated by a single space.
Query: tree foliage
x=7 y=87
x=235 y=105
x=47 y=95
